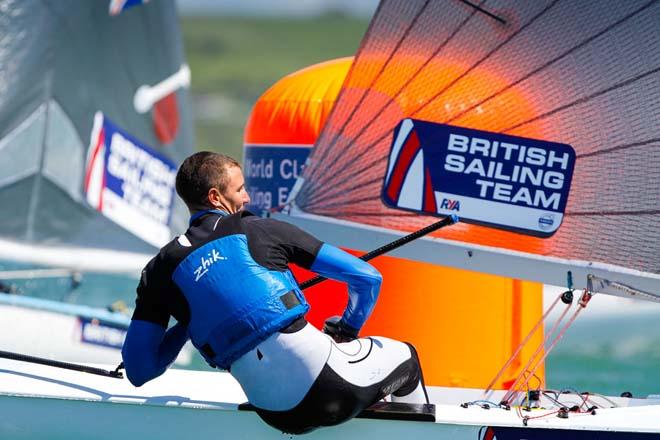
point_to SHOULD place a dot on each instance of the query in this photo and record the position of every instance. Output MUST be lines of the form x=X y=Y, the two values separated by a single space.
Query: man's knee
x=413 y=354
x=414 y=374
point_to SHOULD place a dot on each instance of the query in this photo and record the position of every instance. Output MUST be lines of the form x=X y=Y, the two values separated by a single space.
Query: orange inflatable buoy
x=282 y=129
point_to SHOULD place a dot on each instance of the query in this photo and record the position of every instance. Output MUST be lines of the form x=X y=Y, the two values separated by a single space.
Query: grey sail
x=63 y=63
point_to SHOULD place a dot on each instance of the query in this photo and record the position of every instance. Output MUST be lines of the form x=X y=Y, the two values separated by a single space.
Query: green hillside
x=234 y=60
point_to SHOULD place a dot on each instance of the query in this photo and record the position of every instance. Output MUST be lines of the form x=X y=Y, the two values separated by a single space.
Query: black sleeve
x=285 y=242
x=151 y=304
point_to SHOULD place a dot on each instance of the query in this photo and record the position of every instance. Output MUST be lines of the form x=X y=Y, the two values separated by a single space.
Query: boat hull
x=43 y=402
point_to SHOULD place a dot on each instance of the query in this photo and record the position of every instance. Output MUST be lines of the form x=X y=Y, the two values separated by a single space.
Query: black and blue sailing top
x=227 y=283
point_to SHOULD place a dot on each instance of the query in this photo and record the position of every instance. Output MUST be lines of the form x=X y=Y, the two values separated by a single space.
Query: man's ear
x=214 y=197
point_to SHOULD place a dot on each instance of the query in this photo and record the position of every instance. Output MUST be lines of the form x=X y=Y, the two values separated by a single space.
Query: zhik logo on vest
x=206 y=263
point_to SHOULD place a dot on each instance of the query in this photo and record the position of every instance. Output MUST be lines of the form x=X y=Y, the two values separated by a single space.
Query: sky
x=296 y=8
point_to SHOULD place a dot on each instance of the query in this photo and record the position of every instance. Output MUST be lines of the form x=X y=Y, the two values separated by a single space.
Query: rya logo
x=451 y=205
x=206 y=262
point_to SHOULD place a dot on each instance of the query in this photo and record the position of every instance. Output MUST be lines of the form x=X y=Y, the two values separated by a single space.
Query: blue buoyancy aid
x=235 y=303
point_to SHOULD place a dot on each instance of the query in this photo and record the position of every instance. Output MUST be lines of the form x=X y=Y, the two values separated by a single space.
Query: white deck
x=45 y=402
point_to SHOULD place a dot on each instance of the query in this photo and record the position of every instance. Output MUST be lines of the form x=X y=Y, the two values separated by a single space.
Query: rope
x=513 y=389
x=489 y=389
x=582 y=304
x=59 y=364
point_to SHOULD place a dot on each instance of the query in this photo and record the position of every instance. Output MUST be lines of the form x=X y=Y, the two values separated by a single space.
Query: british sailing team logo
x=129 y=182
x=491 y=179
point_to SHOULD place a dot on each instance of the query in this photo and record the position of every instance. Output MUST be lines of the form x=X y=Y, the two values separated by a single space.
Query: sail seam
x=585 y=99
x=618 y=148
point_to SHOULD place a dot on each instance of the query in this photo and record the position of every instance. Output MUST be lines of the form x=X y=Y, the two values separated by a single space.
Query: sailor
x=227 y=283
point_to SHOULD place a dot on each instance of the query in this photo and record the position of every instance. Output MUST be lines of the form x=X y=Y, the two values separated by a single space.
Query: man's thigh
x=368 y=361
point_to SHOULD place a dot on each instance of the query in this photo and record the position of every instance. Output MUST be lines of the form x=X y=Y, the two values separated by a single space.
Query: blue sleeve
x=149 y=350
x=362 y=278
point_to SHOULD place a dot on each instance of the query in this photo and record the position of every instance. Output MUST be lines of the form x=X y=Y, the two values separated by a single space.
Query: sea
x=612 y=348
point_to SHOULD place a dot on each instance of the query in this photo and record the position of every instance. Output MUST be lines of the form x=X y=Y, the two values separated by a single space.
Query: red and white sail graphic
x=95 y=168
x=408 y=181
